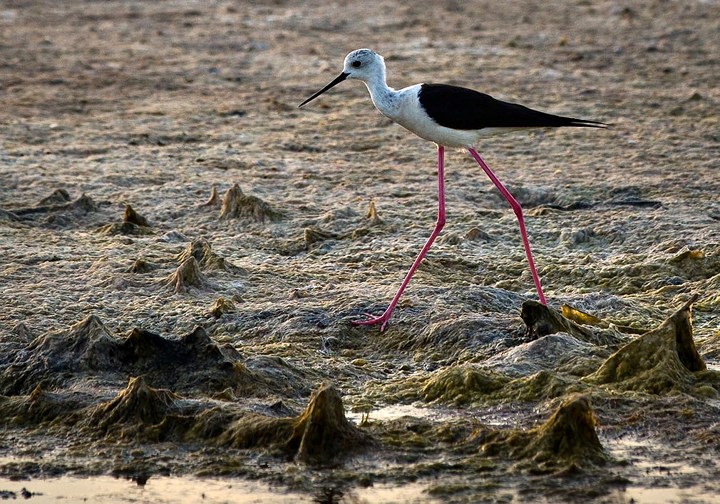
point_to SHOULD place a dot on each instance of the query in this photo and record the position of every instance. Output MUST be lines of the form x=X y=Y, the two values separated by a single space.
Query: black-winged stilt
x=450 y=116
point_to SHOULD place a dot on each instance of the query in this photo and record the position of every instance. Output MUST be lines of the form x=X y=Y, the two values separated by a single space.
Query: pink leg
x=518 y=212
x=385 y=317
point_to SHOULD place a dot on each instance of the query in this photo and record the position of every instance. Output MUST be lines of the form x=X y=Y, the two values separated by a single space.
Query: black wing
x=465 y=109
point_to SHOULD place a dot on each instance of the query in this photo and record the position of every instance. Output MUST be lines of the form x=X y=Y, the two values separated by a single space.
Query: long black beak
x=335 y=82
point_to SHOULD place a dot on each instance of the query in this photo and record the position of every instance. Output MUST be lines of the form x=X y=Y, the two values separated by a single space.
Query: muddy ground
x=184 y=335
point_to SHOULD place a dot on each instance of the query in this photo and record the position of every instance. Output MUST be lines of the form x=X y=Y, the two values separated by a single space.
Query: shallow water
x=180 y=490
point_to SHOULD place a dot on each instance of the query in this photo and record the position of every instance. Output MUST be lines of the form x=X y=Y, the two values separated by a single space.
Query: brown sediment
x=663 y=360
x=214 y=199
x=201 y=250
x=187 y=276
x=134 y=218
x=221 y=306
x=141 y=265
x=236 y=204
x=313 y=235
x=372 y=215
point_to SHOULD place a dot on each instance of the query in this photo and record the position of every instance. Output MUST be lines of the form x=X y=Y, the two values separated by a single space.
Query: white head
x=364 y=65
x=361 y=64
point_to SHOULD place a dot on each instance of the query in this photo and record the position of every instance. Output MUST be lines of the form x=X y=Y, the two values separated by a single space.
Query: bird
x=451 y=117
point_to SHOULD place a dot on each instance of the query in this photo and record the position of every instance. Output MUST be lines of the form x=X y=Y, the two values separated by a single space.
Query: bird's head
x=361 y=64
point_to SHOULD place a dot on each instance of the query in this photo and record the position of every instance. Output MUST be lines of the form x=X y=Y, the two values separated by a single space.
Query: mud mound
x=85 y=346
x=320 y=435
x=88 y=350
x=541 y=320
x=134 y=218
x=192 y=363
x=187 y=276
x=201 y=250
x=236 y=204
x=660 y=361
x=256 y=430
x=40 y=407
x=221 y=306
x=312 y=236
x=59 y=201
x=549 y=353
x=135 y=407
x=132 y=224
x=568 y=438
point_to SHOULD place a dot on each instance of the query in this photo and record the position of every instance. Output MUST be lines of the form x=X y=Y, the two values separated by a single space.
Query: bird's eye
x=356 y=64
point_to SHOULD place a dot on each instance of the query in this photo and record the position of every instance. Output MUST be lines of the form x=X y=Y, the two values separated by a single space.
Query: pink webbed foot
x=383 y=320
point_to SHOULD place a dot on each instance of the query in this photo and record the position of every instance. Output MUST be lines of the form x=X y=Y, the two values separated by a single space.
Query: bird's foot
x=383 y=320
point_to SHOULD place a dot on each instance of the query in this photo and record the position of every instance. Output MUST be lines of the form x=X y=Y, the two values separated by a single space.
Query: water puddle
x=669 y=496
x=660 y=480
x=502 y=418
x=174 y=490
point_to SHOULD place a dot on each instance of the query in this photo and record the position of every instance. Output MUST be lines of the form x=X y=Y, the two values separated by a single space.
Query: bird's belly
x=448 y=137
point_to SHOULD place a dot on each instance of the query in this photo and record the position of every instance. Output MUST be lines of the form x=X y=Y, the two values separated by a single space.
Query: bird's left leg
x=519 y=213
x=385 y=317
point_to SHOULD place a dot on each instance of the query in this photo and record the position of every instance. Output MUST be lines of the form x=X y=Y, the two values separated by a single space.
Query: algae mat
x=183 y=252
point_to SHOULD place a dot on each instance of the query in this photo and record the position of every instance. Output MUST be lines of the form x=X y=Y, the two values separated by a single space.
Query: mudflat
x=184 y=250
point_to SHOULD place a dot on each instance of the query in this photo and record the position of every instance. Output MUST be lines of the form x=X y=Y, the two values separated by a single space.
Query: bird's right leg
x=385 y=317
x=521 y=221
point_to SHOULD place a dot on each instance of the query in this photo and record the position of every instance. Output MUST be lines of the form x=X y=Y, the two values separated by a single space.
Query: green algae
x=475 y=386
x=321 y=434
x=661 y=361
x=567 y=438
x=131 y=410
x=540 y=386
x=579 y=316
x=460 y=385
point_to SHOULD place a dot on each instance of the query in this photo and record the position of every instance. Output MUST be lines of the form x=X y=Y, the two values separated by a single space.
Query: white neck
x=383 y=97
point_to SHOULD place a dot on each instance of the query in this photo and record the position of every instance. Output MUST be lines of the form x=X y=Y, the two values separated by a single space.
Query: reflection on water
x=180 y=490
x=109 y=490
x=177 y=490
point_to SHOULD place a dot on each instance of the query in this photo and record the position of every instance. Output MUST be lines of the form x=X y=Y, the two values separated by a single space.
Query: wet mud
x=183 y=253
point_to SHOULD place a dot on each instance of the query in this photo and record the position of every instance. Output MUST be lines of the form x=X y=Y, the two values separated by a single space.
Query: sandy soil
x=151 y=104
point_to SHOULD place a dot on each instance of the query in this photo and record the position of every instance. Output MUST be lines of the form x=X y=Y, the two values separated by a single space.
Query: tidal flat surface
x=183 y=251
